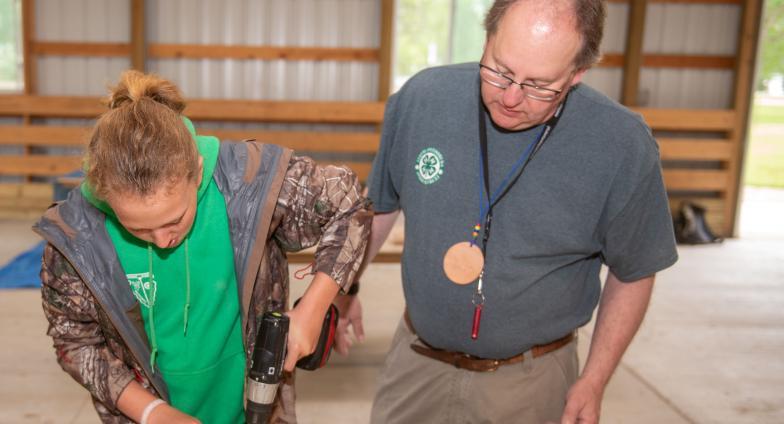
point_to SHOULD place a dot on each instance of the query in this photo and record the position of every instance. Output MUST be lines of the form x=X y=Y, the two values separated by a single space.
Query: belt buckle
x=472 y=363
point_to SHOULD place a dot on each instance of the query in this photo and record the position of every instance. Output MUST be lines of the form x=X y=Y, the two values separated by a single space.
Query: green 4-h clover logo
x=143 y=287
x=429 y=165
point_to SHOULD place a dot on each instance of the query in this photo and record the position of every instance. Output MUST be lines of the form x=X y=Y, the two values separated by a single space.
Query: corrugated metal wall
x=608 y=80
x=690 y=29
x=322 y=23
x=670 y=28
x=693 y=29
x=84 y=21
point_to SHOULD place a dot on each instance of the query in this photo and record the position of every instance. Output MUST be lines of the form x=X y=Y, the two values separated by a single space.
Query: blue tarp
x=22 y=271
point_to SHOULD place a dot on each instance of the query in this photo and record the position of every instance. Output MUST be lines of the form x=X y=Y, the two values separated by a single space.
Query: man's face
x=163 y=218
x=532 y=46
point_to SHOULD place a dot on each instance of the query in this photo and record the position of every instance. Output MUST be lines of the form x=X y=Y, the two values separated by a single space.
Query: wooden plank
x=612 y=60
x=690 y=61
x=695 y=149
x=742 y=98
x=635 y=29
x=39 y=165
x=138 y=42
x=221 y=110
x=27 y=190
x=56 y=165
x=286 y=111
x=28 y=38
x=51 y=106
x=696 y=180
x=346 y=142
x=52 y=48
x=385 y=49
x=219 y=51
x=343 y=142
x=688 y=119
x=40 y=135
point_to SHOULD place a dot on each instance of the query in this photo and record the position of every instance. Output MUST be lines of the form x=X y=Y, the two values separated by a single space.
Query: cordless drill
x=266 y=367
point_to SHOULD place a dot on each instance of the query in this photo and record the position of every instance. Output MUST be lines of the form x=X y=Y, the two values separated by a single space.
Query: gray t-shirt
x=593 y=194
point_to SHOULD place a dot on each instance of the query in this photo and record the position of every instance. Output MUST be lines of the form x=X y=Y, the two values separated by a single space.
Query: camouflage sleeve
x=81 y=348
x=323 y=204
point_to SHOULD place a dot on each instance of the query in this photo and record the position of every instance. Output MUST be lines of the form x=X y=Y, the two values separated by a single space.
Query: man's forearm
x=379 y=231
x=621 y=311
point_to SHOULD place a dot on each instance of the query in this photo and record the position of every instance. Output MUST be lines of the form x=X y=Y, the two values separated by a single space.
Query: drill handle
x=319 y=357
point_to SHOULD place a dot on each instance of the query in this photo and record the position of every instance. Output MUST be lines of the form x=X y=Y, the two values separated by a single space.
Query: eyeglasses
x=533 y=91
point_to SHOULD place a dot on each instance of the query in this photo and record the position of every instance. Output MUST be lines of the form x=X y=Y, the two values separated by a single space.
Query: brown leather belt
x=473 y=363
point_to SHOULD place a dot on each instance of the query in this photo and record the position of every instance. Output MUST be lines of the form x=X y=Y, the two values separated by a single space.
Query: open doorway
x=763 y=178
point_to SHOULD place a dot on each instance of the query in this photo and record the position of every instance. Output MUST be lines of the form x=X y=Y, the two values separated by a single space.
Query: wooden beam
x=742 y=98
x=52 y=48
x=28 y=38
x=40 y=135
x=51 y=106
x=338 y=142
x=688 y=61
x=385 y=49
x=696 y=180
x=695 y=149
x=138 y=43
x=39 y=165
x=216 y=110
x=30 y=61
x=633 y=57
x=217 y=51
x=614 y=60
x=279 y=111
x=688 y=119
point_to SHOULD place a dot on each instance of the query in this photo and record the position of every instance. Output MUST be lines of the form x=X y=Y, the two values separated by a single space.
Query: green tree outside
x=771 y=58
x=9 y=39
x=468 y=31
x=437 y=32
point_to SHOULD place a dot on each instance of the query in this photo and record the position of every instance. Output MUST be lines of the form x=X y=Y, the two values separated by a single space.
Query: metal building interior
x=313 y=75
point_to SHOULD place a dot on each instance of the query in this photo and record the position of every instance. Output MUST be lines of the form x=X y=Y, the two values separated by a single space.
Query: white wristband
x=148 y=410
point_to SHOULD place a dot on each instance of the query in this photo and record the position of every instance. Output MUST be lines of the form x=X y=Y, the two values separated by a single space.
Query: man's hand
x=350 y=310
x=583 y=403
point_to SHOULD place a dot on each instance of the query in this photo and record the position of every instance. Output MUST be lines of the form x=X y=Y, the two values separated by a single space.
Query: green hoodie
x=190 y=306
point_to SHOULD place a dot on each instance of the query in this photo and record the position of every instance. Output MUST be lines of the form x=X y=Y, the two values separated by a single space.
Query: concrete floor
x=709 y=350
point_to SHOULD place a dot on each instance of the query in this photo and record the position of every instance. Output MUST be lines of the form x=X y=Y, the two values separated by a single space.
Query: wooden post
x=138 y=42
x=751 y=18
x=29 y=59
x=385 y=49
x=632 y=63
x=28 y=38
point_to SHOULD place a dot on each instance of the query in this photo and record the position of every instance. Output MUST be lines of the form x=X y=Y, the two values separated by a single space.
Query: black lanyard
x=516 y=171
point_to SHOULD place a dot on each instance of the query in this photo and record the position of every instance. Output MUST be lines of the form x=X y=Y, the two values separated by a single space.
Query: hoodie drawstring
x=187 y=290
x=154 y=352
x=186 y=308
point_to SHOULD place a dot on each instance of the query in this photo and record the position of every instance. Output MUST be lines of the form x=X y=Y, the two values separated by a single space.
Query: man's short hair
x=589 y=14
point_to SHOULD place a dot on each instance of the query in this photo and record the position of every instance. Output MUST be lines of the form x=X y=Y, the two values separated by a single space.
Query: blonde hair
x=141 y=143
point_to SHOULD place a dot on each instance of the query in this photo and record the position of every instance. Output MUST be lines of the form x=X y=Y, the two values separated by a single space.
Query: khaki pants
x=414 y=389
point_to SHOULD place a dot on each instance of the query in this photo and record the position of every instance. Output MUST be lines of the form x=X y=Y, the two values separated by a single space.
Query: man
x=517 y=183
